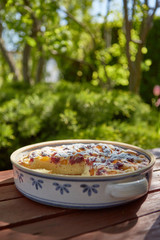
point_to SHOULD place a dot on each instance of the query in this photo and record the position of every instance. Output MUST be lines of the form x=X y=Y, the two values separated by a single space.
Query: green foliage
x=84 y=48
x=6 y=135
x=86 y=51
x=72 y=111
x=67 y=32
x=152 y=77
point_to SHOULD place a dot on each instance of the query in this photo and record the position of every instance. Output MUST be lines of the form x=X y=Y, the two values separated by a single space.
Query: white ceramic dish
x=80 y=191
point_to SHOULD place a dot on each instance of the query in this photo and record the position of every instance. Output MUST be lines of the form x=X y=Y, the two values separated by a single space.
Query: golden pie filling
x=85 y=159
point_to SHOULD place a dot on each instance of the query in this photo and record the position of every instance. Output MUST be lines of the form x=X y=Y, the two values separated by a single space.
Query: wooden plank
x=146 y=227
x=157 y=165
x=81 y=222
x=155 y=152
x=6 y=177
x=155 y=183
x=9 y=234
x=22 y=210
x=9 y=192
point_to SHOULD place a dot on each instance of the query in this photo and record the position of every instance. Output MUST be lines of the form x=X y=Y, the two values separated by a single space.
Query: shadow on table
x=49 y=221
x=131 y=210
x=154 y=232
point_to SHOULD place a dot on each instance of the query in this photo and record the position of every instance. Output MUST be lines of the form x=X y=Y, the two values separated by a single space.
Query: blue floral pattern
x=20 y=176
x=36 y=183
x=89 y=189
x=62 y=188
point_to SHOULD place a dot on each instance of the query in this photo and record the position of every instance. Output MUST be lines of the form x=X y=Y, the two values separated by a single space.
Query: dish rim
x=31 y=147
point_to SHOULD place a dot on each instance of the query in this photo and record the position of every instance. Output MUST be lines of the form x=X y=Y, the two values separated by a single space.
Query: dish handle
x=127 y=190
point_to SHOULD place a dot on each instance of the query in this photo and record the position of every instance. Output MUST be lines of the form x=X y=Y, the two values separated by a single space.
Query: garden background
x=79 y=69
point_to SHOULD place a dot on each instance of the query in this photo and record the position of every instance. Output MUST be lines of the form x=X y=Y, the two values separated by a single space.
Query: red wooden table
x=21 y=218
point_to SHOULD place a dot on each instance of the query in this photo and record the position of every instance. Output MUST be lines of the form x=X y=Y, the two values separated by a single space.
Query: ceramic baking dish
x=80 y=191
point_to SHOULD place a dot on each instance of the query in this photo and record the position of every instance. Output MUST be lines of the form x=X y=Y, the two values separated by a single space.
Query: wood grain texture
x=156 y=166
x=9 y=192
x=146 y=228
x=22 y=210
x=6 y=177
x=155 y=183
x=9 y=234
x=21 y=218
x=81 y=222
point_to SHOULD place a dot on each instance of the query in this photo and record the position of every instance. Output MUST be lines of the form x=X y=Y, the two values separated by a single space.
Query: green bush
x=151 y=78
x=72 y=111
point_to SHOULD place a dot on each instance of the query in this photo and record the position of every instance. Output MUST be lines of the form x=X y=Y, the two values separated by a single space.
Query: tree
x=41 y=35
x=83 y=47
x=8 y=56
x=27 y=20
x=138 y=20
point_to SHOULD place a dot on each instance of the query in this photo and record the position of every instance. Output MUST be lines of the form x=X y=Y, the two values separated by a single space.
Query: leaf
x=9 y=3
x=31 y=41
x=144 y=50
x=6 y=135
x=148 y=62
